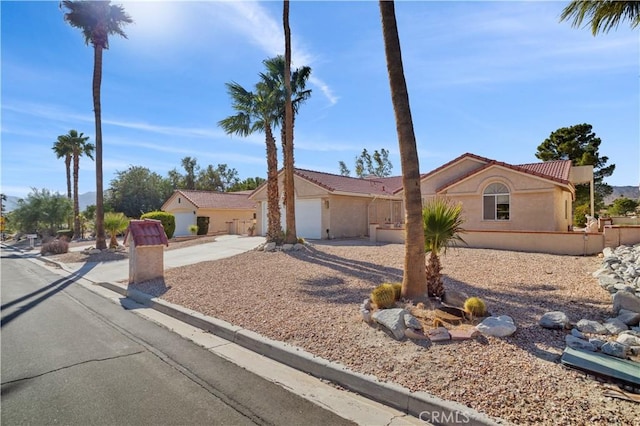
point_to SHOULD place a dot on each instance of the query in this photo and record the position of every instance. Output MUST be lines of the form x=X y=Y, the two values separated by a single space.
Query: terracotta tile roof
x=146 y=232
x=557 y=171
x=218 y=200
x=337 y=183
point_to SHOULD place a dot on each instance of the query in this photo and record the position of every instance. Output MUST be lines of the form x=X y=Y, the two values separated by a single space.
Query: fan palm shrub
x=442 y=228
x=115 y=223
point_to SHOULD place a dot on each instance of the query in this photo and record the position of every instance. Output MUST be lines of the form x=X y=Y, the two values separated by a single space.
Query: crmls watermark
x=444 y=417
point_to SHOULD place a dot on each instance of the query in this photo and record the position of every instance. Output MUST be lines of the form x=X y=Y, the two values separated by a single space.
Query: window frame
x=499 y=211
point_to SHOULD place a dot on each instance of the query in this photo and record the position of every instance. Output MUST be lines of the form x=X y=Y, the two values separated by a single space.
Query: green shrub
x=203 y=225
x=475 y=306
x=579 y=215
x=384 y=296
x=193 y=229
x=168 y=221
x=57 y=246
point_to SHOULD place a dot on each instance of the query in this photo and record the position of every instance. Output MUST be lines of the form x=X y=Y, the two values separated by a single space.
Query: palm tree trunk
x=273 y=197
x=101 y=242
x=67 y=163
x=413 y=280
x=76 y=207
x=291 y=236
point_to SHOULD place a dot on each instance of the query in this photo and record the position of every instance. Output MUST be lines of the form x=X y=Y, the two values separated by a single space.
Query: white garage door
x=308 y=218
x=183 y=220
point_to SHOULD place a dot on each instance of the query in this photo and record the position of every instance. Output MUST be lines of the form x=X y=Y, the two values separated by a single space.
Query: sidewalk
x=291 y=363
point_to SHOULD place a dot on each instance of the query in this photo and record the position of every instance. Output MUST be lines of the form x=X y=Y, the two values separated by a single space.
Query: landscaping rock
x=576 y=333
x=500 y=326
x=415 y=334
x=270 y=247
x=615 y=349
x=593 y=327
x=439 y=334
x=554 y=320
x=455 y=298
x=95 y=251
x=463 y=334
x=597 y=343
x=626 y=300
x=615 y=326
x=577 y=343
x=366 y=315
x=412 y=322
x=628 y=340
x=628 y=317
x=287 y=247
x=392 y=320
x=298 y=247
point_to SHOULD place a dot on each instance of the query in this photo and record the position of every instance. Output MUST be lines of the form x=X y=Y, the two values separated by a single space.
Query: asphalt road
x=70 y=356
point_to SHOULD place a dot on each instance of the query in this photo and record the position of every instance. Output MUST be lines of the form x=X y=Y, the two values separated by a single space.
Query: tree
x=137 y=190
x=115 y=223
x=97 y=20
x=42 y=212
x=622 y=205
x=78 y=145
x=62 y=148
x=220 y=178
x=190 y=166
x=602 y=15
x=413 y=280
x=247 y=184
x=291 y=236
x=275 y=79
x=579 y=144
x=366 y=164
x=257 y=111
x=442 y=227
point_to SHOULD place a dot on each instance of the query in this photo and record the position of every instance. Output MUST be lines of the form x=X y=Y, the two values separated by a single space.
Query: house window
x=496 y=202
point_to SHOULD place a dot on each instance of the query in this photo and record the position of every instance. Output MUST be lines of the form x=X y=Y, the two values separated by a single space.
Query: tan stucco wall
x=348 y=216
x=449 y=174
x=179 y=204
x=219 y=218
x=615 y=236
x=145 y=263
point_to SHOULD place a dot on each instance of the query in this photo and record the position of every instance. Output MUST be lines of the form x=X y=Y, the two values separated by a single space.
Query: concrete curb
x=422 y=405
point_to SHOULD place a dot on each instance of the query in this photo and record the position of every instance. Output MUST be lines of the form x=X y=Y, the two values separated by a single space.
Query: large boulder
x=500 y=326
x=392 y=321
x=593 y=327
x=577 y=343
x=628 y=317
x=615 y=326
x=626 y=300
x=554 y=320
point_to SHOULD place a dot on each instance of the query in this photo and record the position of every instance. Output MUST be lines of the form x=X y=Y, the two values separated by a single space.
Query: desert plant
x=442 y=226
x=383 y=296
x=193 y=229
x=57 y=246
x=115 y=223
x=301 y=240
x=397 y=290
x=168 y=221
x=475 y=307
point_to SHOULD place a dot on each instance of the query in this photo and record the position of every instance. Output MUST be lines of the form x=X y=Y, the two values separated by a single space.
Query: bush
x=579 y=215
x=57 y=246
x=193 y=229
x=168 y=221
x=203 y=225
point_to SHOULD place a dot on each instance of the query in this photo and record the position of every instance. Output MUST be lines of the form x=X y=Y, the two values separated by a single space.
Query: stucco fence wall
x=565 y=243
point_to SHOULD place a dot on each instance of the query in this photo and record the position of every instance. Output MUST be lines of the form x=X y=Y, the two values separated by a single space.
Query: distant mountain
x=84 y=200
x=632 y=192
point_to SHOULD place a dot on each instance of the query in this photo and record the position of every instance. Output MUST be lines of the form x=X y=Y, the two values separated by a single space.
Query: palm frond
x=603 y=15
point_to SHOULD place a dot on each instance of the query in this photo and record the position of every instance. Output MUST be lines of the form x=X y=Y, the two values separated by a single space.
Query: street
x=70 y=356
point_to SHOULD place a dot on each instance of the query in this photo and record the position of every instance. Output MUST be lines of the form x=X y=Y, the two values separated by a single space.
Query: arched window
x=496 y=202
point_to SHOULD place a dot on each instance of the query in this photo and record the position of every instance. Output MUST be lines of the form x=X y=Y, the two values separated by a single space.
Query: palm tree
x=442 y=226
x=603 y=15
x=258 y=112
x=62 y=149
x=97 y=20
x=80 y=147
x=413 y=279
x=291 y=236
x=274 y=77
x=115 y=223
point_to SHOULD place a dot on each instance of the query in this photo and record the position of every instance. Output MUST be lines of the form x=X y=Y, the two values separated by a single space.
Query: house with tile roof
x=226 y=212
x=496 y=196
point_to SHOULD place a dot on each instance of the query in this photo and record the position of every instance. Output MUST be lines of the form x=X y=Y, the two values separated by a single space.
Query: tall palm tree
x=291 y=236
x=602 y=15
x=442 y=227
x=274 y=77
x=79 y=147
x=258 y=112
x=62 y=148
x=97 y=20
x=413 y=279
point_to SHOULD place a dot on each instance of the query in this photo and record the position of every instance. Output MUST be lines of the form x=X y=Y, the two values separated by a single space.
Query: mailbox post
x=146 y=251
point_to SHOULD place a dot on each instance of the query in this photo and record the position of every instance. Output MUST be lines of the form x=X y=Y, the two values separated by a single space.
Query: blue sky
x=490 y=78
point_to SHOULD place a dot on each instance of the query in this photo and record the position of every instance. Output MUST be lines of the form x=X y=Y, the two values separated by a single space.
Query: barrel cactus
x=384 y=296
x=475 y=307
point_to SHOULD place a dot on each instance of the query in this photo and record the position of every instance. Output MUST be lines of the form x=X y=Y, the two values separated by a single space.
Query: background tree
x=62 y=149
x=79 y=147
x=191 y=167
x=97 y=20
x=622 y=206
x=137 y=190
x=258 y=112
x=220 y=178
x=602 y=15
x=580 y=145
x=366 y=164
x=42 y=212
x=442 y=227
x=344 y=170
x=249 y=184
x=413 y=280
x=115 y=223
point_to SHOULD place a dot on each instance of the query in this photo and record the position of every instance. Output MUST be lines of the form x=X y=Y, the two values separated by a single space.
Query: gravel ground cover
x=311 y=299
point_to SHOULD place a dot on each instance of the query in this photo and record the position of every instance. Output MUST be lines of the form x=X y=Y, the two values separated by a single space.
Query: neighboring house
x=495 y=196
x=227 y=212
x=333 y=206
